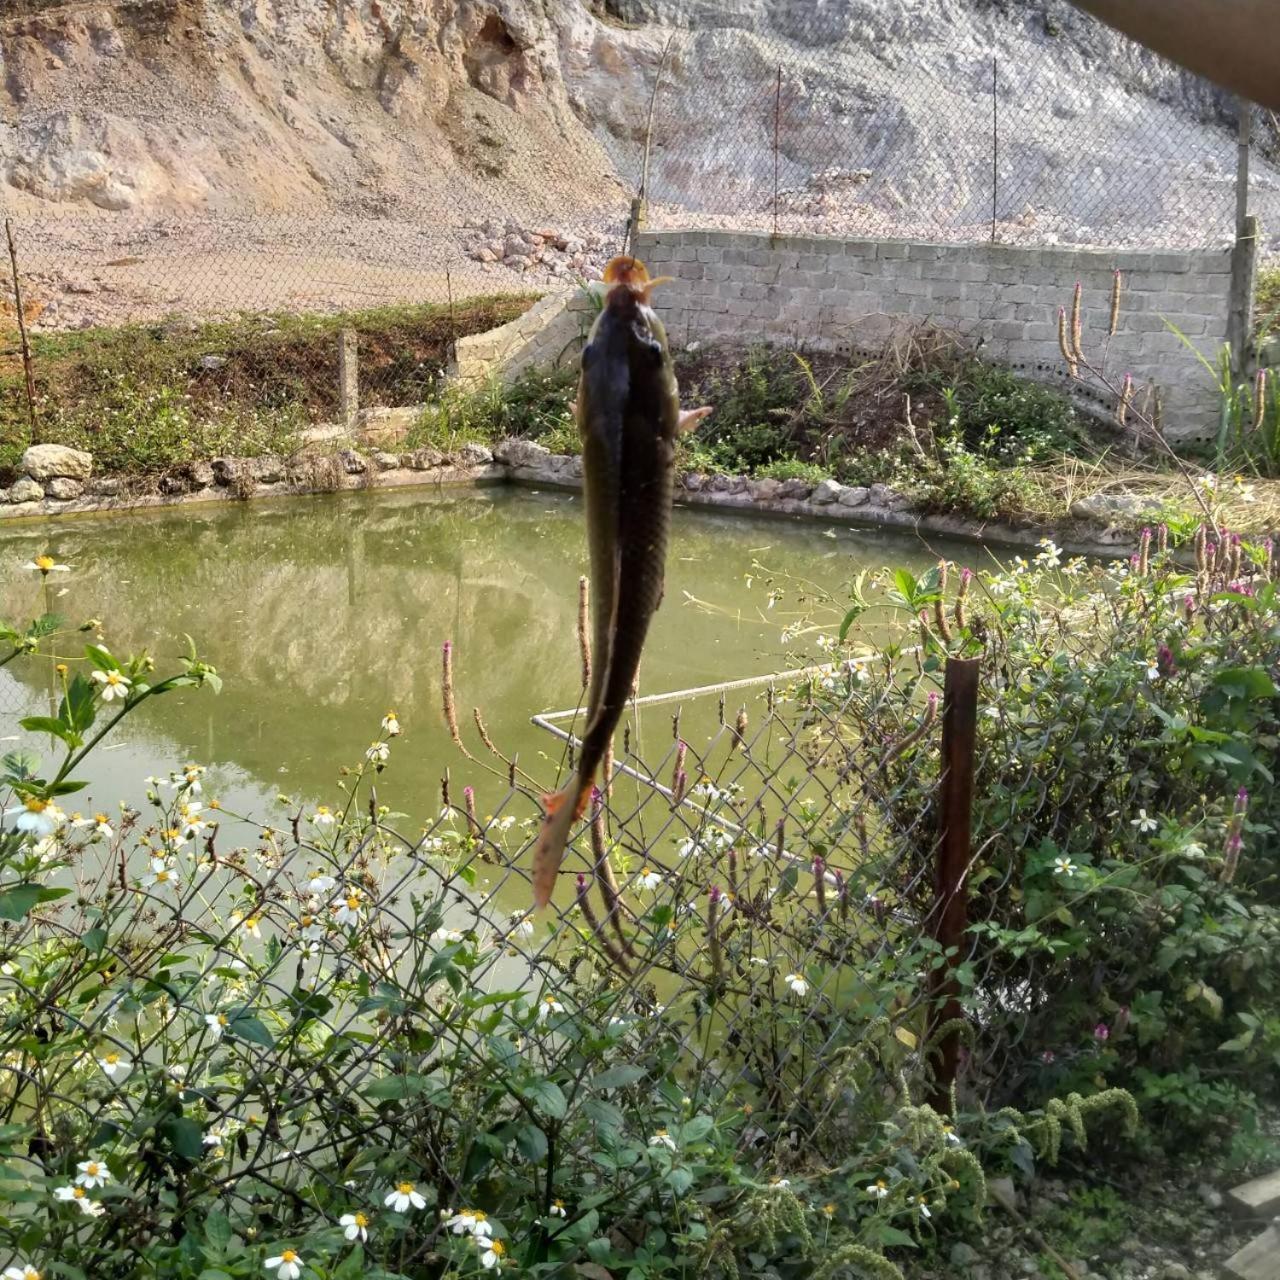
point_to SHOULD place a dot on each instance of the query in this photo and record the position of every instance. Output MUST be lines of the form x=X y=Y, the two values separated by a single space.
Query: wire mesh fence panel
x=1039 y=136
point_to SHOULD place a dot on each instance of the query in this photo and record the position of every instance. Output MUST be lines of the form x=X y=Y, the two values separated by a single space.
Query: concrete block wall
x=821 y=292
x=549 y=333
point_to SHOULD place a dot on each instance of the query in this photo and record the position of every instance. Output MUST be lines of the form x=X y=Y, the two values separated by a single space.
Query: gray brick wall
x=834 y=293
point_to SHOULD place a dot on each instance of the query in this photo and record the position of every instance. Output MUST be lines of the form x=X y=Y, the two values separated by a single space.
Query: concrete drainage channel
x=1257 y=1201
x=58 y=481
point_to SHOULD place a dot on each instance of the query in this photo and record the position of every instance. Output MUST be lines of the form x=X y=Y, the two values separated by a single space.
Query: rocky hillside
x=396 y=141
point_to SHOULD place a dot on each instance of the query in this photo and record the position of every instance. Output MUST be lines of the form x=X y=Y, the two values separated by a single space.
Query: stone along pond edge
x=58 y=481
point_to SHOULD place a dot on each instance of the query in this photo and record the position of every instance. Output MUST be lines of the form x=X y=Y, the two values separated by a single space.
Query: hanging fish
x=629 y=418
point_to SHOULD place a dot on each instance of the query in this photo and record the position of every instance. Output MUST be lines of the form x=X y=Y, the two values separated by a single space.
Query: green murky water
x=322 y=613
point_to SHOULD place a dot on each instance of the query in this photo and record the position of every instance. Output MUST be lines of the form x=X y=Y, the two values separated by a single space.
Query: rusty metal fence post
x=949 y=917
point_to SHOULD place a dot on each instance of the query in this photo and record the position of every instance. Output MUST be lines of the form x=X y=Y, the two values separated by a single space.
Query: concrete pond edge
x=515 y=461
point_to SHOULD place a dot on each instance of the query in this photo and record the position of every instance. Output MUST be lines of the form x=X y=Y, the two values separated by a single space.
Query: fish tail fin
x=634 y=275
x=564 y=808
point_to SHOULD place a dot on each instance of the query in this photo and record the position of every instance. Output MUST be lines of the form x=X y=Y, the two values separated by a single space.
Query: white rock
x=521 y=453
x=826 y=492
x=50 y=461
x=855 y=496
x=26 y=490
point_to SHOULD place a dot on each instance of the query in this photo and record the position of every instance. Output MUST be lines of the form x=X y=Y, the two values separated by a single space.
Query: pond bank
x=513 y=461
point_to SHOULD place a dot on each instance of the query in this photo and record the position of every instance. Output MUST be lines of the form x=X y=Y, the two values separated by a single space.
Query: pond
x=323 y=613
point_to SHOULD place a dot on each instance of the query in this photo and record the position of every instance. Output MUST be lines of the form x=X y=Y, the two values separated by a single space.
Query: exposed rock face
x=472 y=108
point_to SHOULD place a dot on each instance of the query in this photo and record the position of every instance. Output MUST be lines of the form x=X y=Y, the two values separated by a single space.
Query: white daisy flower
x=878 y=1189
x=190 y=823
x=558 y=1210
x=318 y=882
x=1144 y=822
x=38 y=817
x=287 y=1266
x=217 y=1024
x=443 y=937
x=548 y=1006
x=491 y=1252
x=661 y=1138
x=23 y=1271
x=161 y=874
x=649 y=879
x=114 y=685
x=347 y=909
x=355 y=1226
x=522 y=925
x=403 y=1197
x=951 y=1137
x=323 y=816
x=45 y=565
x=250 y=925
x=1063 y=866
x=92 y=1173
x=116 y=1065
x=79 y=1197
x=797 y=984
x=390 y=724
x=779 y=1184
x=469 y=1222
x=378 y=753
x=923 y=1205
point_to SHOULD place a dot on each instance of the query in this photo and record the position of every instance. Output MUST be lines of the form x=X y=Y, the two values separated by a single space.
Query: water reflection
x=323 y=613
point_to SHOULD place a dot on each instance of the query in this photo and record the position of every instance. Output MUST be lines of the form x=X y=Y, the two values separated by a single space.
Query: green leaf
x=77 y=706
x=1245 y=682
x=250 y=1029
x=94 y=940
x=548 y=1097
x=679 y=1180
x=184 y=1137
x=849 y=619
x=696 y=1129
x=217 y=1228
x=21 y=764
x=531 y=1142
x=47 y=724
x=18 y=900
x=392 y=1087
x=616 y=1077
x=100 y=658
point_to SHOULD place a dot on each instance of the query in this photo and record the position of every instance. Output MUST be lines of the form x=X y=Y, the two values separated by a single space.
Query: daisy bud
x=1077 y=324
x=584 y=632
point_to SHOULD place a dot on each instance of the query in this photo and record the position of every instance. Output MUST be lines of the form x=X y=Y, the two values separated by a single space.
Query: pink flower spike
x=1102 y=1032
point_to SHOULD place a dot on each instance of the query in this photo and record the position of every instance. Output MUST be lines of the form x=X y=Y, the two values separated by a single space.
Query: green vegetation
x=148 y=397
x=1267 y=300
x=314 y=1047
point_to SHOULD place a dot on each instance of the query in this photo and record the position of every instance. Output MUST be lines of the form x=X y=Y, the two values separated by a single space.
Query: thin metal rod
x=777 y=124
x=949 y=918
x=1243 y=140
x=27 y=371
x=995 y=143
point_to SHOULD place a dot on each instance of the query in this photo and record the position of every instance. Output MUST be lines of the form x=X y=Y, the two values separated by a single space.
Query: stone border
x=524 y=462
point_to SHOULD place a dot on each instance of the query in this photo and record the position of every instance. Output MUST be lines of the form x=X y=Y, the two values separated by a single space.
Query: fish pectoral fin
x=689 y=418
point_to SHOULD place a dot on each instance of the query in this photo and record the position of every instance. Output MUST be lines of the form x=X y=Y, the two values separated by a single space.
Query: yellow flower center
x=45 y=563
x=322 y=810
x=161 y=876
x=100 y=819
x=34 y=805
x=880 y=1182
x=405 y=1188
x=113 y=677
x=481 y=1216
x=251 y=923
x=353 y=902
x=662 y=1133
x=78 y=1193
x=361 y=1220
x=306 y=921
x=498 y=1247
x=288 y=1255
x=92 y=1168
x=829 y=1210
x=223 y=1020
x=559 y=1204
x=111 y=1059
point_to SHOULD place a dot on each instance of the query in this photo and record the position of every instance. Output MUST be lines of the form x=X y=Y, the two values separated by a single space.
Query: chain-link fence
x=1020 y=131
